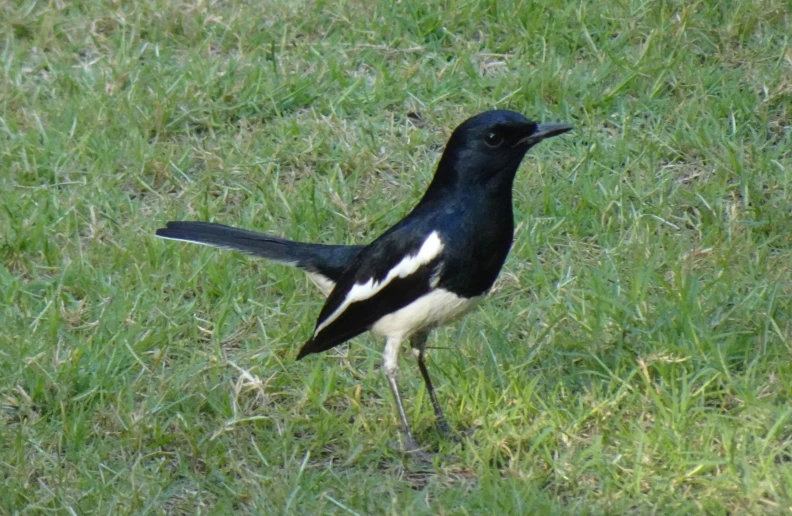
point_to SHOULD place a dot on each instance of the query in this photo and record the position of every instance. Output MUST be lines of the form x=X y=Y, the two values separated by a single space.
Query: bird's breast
x=471 y=265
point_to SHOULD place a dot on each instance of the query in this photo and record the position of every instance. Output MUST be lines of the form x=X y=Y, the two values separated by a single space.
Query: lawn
x=635 y=355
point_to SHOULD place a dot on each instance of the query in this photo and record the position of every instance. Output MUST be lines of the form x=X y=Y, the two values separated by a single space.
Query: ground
x=633 y=357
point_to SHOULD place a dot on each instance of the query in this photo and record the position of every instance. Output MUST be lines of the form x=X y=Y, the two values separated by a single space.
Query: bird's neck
x=448 y=183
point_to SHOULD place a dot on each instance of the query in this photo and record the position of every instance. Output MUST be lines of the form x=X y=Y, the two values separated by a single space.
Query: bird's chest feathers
x=471 y=264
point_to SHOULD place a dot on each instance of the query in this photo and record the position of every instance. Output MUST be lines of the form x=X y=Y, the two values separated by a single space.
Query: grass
x=633 y=357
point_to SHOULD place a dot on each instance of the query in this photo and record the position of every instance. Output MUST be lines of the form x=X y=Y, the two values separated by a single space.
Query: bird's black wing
x=389 y=274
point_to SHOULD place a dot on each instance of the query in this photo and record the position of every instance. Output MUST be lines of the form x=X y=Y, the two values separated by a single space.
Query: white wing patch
x=429 y=250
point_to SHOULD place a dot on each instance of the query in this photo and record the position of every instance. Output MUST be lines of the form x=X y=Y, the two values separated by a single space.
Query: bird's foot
x=456 y=436
x=445 y=428
x=412 y=449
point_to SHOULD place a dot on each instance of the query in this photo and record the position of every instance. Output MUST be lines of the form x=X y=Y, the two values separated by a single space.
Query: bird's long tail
x=328 y=261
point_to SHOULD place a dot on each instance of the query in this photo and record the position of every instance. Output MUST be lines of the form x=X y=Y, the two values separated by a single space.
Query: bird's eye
x=493 y=139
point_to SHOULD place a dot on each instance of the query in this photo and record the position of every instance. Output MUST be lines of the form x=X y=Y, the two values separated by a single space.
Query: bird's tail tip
x=172 y=226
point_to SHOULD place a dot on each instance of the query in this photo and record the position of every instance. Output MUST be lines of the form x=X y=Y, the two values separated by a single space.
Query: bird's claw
x=415 y=451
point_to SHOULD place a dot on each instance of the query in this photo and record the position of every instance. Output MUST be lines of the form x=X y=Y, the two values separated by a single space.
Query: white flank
x=324 y=283
x=429 y=250
x=432 y=309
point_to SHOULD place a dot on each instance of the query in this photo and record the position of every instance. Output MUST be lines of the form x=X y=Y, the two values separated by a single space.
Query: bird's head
x=490 y=146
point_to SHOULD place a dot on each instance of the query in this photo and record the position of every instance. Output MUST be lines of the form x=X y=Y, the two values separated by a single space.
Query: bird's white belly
x=432 y=309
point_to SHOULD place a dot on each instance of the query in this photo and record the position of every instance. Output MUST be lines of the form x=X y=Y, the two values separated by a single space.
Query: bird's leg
x=390 y=364
x=418 y=343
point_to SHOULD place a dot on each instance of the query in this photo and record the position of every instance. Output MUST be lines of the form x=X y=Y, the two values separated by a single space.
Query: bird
x=430 y=268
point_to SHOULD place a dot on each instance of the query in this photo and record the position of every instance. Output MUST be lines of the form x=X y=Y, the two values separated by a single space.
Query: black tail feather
x=328 y=260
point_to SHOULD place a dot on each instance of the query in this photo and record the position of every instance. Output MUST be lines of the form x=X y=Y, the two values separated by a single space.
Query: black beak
x=545 y=131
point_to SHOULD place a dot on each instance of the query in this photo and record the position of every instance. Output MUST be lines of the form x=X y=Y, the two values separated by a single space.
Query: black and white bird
x=429 y=269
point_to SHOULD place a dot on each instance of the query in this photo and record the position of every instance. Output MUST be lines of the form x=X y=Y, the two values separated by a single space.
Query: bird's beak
x=545 y=131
